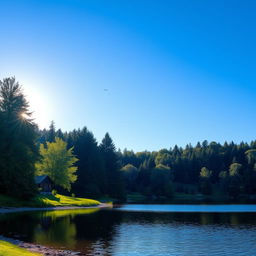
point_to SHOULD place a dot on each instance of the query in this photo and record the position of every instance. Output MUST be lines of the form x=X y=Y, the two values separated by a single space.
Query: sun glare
x=39 y=105
x=24 y=116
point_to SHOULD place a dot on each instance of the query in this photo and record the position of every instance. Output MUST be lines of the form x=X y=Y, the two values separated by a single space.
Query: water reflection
x=113 y=232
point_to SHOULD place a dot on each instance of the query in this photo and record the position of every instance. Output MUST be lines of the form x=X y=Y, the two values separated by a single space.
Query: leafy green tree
x=251 y=156
x=58 y=162
x=18 y=152
x=235 y=179
x=224 y=180
x=161 y=178
x=163 y=157
x=130 y=174
x=205 y=173
x=235 y=170
x=205 y=183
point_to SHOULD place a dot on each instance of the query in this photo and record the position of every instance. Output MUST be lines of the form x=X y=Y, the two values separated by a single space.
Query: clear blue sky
x=175 y=71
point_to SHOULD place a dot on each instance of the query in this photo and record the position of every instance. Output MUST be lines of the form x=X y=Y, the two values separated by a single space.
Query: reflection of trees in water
x=96 y=231
x=62 y=230
x=18 y=225
x=93 y=231
x=61 y=233
x=190 y=218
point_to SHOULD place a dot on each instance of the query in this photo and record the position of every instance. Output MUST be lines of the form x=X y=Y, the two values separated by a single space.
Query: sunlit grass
x=60 y=200
x=8 y=249
x=47 y=201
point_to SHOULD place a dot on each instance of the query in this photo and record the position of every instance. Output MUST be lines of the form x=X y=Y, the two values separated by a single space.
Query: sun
x=24 y=116
x=39 y=106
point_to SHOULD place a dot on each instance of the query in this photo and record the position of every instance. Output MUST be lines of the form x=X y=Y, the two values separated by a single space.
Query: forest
x=99 y=169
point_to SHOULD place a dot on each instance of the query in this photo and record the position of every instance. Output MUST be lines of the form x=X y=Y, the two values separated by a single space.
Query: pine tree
x=51 y=133
x=115 y=186
x=91 y=171
x=18 y=134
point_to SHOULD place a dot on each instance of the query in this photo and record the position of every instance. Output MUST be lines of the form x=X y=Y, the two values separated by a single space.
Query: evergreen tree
x=18 y=152
x=91 y=170
x=115 y=186
x=51 y=133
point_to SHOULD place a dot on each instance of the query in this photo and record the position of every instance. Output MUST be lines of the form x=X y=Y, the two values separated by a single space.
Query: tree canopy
x=58 y=163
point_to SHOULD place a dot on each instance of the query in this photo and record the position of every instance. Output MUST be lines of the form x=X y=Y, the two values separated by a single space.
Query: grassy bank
x=8 y=249
x=47 y=201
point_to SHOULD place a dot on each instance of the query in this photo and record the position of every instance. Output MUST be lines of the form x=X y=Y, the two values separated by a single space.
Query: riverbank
x=47 y=200
x=13 y=247
x=28 y=209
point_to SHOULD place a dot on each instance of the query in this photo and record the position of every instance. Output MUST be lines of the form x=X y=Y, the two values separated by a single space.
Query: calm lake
x=141 y=230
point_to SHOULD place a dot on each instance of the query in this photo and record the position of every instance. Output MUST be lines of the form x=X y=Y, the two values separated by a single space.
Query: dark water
x=141 y=230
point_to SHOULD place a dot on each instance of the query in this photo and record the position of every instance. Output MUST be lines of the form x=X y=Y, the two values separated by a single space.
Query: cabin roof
x=39 y=179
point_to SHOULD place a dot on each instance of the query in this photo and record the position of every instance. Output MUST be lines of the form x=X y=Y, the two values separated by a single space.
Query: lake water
x=179 y=230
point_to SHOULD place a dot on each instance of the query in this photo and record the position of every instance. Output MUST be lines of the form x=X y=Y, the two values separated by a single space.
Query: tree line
x=93 y=169
x=207 y=168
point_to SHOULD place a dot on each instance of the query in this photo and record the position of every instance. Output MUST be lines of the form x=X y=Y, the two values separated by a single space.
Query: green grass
x=47 y=201
x=8 y=249
x=60 y=200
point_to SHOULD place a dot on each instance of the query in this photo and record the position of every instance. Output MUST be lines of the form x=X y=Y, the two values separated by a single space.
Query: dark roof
x=39 y=179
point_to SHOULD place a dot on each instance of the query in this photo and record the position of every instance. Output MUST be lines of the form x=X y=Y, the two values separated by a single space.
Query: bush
x=54 y=192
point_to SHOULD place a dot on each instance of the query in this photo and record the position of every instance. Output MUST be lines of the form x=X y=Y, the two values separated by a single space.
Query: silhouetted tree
x=18 y=134
x=115 y=185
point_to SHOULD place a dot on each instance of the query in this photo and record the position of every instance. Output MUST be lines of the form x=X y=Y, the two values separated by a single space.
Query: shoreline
x=42 y=250
x=28 y=209
x=36 y=248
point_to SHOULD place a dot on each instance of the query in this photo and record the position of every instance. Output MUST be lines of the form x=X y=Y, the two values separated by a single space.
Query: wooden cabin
x=44 y=183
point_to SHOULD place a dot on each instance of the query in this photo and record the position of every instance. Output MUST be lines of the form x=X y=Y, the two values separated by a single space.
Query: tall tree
x=18 y=133
x=115 y=186
x=51 y=133
x=91 y=170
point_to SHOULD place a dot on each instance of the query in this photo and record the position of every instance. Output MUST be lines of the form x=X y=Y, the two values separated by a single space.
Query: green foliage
x=235 y=169
x=58 y=162
x=18 y=151
x=205 y=173
x=205 y=184
x=130 y=174
x=54 y=192
x=163 y=157
x=251 y=156
x=92 y=181
x=161 y=184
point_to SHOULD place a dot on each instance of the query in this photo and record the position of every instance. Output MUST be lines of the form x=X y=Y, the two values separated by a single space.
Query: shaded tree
x=18 y=151
x=115 y=185
x=130 y=174
x=205 y=183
